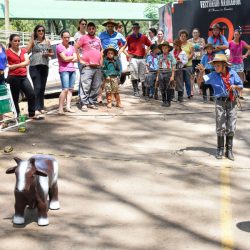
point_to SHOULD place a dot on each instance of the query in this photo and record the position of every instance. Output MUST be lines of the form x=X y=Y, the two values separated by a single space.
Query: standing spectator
x=160 y=37
x=188 y=48
x=166 y=73
x=82 y=25
x=198 y=45
x=152 y=32
x=226 y=83
x=110 y=37
x=41 y=50
x=91 y=75
x=3 y=64
x=236 y=47
x=217 y=39
x=17 y=76
x=181 y=60
x=112 y=72
x=137 y=52
x=66 y=57
x=152 y=69
x=206 y=63
x=119 y=28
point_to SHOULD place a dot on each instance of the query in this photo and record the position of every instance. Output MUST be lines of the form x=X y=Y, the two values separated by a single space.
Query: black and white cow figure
x=36 y=179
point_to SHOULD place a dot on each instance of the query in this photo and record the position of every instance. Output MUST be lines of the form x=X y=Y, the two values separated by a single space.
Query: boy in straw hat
x=167 y=64
x=226 y=83
x=112 y=73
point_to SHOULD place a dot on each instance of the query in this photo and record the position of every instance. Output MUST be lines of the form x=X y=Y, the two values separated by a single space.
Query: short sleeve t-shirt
x=91 y=49
x=13 y=58
x=236 y=52
x=65 y=66
x=136 y=45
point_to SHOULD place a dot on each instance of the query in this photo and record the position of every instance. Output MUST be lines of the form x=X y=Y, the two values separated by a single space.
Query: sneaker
x=137 y=94
x=92 y=106
x=84 y=108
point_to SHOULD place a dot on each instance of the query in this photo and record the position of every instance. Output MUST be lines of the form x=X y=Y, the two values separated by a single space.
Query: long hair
x=11 y=39
x=36 y=29
x=80 y=23
x=239 y=31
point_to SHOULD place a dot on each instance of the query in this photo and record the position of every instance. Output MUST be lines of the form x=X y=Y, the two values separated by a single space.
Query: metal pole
x=6 y=15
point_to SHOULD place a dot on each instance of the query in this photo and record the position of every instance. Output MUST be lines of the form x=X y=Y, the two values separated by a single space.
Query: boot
x=169 y=95
x=147 y=93
x=118 y=100
x=156 y=96
x=143 y=88
x=164 y=99
x=135 y=87
x=172 y=97
x=229 y=148
x=220 y=147
x=109 y=100
x=180 y=96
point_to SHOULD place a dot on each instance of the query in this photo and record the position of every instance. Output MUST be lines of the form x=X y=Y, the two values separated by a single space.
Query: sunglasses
x=66 y=37
x=40 y=30
x=17 y=41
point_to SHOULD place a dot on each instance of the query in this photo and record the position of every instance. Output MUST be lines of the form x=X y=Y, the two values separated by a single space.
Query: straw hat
x=165 y=44
x=209 y=45
x=110 y=47
x=110 y=21
x=220 y=58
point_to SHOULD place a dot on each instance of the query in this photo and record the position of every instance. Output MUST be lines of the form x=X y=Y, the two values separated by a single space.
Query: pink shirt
x=91 y=49
x=65 y=66
x=236 y=52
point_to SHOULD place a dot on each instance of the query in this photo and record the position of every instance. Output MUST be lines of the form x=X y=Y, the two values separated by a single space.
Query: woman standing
x=160 y=37
x=39 y=65
x=226 y=83
x=236 y=47
x=17 y=77
x=82 y=25
x=187 y=72
x=3 y=63
x=198 y=45
x=66 y=57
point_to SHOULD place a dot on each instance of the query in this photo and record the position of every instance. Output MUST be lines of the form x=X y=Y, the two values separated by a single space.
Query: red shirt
x=13 y=58
x=136 y=45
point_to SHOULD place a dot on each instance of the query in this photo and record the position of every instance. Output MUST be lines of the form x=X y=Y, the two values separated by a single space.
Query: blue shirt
x=166 y=62
x=218 y=84
x=107 y=39
x=152 y=62
x=219 y=41
x=111 y=68
x=205 y=62
x=3 y=60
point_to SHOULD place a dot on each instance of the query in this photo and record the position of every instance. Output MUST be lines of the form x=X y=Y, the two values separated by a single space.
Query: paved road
x=144 y=177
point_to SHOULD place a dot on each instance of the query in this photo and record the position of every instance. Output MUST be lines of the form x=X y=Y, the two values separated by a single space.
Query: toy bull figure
x=35 y=180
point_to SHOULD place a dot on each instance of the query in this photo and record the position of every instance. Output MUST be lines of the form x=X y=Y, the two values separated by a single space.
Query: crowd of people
x=156 y=65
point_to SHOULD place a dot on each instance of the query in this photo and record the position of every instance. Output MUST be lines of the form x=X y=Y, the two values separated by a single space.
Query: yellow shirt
x=187 y=48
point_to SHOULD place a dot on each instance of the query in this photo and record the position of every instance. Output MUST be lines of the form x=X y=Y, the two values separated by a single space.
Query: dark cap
x=136 y=25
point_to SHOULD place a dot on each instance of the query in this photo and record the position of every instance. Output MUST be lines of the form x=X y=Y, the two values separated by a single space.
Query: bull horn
x=17 y=160
x=11 y=170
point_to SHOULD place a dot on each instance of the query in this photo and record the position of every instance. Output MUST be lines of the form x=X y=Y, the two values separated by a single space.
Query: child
x=181 y=60
x=226 y=83
x=166 y=63
x=112 y=73
x=152 y=68
x=205 y=61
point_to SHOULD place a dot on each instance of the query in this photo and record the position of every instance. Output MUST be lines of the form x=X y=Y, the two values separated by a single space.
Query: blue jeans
x=68 y=79
x=186 y=78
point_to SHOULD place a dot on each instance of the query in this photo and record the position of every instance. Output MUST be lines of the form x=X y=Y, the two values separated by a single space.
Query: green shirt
x=111 y=67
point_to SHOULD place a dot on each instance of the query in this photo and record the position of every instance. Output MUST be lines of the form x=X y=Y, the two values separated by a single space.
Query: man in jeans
x=136 y=43
x=91 y=75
